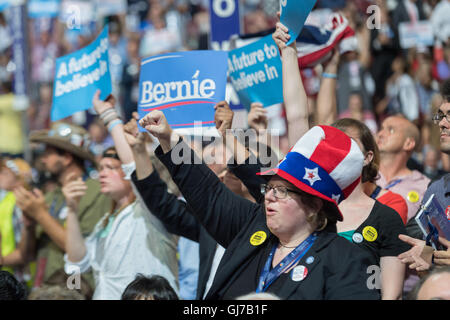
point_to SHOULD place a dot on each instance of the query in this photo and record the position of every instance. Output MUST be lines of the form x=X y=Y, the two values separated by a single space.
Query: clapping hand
x=32 y=203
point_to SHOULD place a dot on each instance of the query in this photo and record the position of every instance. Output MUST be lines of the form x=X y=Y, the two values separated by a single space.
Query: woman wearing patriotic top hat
x=287 y=245
x=367 y=222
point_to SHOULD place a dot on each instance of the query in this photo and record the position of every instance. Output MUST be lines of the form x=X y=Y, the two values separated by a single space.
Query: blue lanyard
x=268 y=276
x=375 y=192
x=393 y=183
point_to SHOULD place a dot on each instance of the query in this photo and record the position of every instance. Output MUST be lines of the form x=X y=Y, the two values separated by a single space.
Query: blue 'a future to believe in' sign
x=183 y=85
x=79 y=75
x=256 y=73
x=294 y=14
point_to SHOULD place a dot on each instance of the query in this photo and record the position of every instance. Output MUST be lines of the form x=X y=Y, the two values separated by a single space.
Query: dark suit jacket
x=339 y=270
x=177 y=218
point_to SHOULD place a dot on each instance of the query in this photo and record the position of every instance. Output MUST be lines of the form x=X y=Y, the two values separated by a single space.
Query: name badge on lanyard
x=268 y=276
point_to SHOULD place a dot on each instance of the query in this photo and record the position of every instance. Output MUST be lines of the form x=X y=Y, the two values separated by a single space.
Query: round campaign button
x=310 y=260
x=257 y=238
x=357 y=237
x=413 y=196
x=299 y=273
x=370 y=233
x=447 y=213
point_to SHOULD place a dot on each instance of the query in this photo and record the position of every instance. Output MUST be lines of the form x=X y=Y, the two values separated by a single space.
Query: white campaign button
x=299 y=273
x=357 y=237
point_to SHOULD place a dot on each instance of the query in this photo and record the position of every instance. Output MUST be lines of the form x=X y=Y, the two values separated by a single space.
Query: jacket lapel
x=310 y=260
x=236 y=254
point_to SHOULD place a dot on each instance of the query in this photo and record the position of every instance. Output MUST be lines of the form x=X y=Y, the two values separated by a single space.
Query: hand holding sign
x=223 y=117
x=294 y=14
x=257 y=117
x=101 y=106
x=281 y=36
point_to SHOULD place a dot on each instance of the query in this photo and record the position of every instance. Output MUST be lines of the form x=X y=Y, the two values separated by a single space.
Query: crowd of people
x=93 y=208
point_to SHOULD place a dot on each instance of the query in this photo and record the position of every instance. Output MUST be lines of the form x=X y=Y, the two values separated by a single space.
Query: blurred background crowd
x=380 y=78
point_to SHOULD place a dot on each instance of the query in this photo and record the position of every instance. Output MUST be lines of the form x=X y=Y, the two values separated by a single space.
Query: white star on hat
x=336 y=197
x=312 y=175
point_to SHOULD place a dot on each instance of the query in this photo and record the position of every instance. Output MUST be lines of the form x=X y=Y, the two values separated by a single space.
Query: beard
x=55 y=172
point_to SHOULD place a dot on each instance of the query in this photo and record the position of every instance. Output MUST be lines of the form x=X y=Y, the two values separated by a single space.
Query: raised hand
x=156 y=123
x=257 y=117
x=134 y=137
x=101 y=106
x=331 y=66
x=73 y=189
x=281 y=36
x=223 y=117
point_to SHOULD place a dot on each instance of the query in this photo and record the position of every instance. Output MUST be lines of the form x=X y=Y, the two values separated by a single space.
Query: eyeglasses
x=439 y=116
x=279 y=192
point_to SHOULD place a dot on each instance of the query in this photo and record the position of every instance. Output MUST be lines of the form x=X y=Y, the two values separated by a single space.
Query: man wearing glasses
x=422 y=257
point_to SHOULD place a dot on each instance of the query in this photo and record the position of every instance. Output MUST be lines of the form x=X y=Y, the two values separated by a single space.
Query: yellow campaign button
x=413 y=196
x=370 y=233
x=257 y=238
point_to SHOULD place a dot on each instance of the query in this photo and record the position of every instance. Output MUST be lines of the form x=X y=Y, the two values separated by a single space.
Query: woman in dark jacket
x=288 y=245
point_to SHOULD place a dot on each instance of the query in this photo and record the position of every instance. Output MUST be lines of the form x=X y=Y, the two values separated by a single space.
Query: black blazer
x=177 y=218
x=339 y=270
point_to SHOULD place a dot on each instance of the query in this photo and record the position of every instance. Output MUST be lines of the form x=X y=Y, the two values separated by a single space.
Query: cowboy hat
x=65 y=136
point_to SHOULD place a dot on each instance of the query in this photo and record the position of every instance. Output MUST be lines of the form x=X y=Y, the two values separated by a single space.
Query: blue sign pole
x=18 y=26
x=17 y=22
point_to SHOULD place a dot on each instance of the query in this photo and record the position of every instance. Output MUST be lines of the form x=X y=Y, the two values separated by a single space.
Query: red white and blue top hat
x=324 y=162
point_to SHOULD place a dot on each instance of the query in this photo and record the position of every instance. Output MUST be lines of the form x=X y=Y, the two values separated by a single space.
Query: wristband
x=329 y=75
x=108 y=116
x=105 y=113
x=114 y=123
